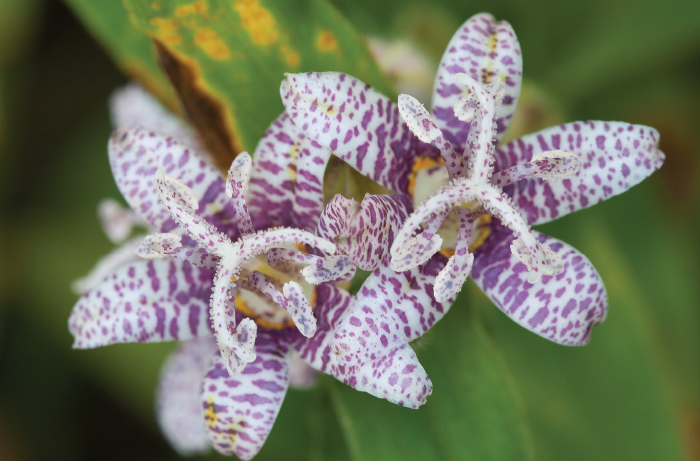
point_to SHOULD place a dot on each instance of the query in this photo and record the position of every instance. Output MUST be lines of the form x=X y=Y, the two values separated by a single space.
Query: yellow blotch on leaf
x=326 y=41
x=291 y=56
x=165 y=30
x=199 y=7
x=211 y=43
x=258 y=22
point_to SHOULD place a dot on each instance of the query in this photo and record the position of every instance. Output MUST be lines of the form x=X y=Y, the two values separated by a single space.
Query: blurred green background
x=633 y=393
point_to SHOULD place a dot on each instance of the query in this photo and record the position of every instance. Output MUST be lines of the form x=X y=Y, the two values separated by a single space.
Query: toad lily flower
x=473 y=181
x=541 y=283
x=237 y=263
x=167 y=296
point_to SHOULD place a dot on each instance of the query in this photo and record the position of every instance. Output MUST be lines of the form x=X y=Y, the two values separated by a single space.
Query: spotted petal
x=400 y=304
x=614 y=157
x=485 y=50
x=396 y=375
x=562 y=308
x=358 y=124
x=145 y=301
x=239 y=411
x=373 y=228
x=286 y=184
x=336 y=217
x=177 y=397
x=390 y=310
x=136 y=154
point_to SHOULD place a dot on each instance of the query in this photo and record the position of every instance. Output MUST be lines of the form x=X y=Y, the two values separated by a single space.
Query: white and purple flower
x=225 y=384
x=482 y=199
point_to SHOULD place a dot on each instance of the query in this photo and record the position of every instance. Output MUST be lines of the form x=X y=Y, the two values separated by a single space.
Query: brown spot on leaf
x=202 y=108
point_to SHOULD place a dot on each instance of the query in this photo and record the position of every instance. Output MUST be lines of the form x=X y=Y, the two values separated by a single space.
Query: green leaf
x=226 y=59
x=473 y=413
x=131 y=49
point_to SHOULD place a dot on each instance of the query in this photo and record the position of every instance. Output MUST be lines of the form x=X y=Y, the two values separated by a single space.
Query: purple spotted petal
x=562 y=308
x=133 y=107
x=136 y=154
x=239 y=411
x=286 y=185
x=396 y=375
x=177 y=397
x=614 y=157
x=357 y=123
x=145 y=301
x=390 y=310
x=401 y=303
x=485 y=50
x=373 y=228
x=336 y=217
x=312 y=159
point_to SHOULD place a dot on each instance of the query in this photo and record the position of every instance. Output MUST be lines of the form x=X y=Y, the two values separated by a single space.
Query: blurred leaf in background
x=500 y=392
